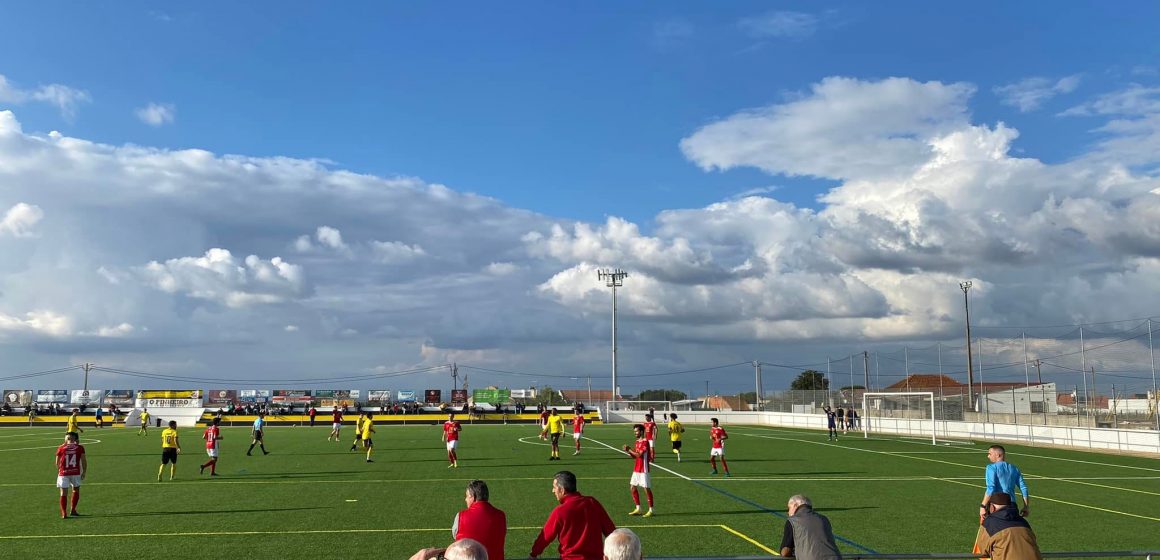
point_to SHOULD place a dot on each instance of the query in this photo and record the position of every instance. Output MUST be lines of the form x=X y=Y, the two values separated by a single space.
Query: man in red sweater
x=579 y=522
x=481 y=520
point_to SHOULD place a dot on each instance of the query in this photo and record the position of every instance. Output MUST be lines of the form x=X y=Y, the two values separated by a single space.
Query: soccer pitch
x=312 y=498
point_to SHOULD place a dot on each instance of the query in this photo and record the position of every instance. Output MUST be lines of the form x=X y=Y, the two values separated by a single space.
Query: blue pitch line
x=775 y=513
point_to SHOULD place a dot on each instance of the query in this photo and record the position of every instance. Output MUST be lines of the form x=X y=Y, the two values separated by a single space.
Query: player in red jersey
x=544 y=423
x=650 y=433
x=640 y=470
x=451 y=438
x=577 y=430
x=71 y=468
x=718 y=435
x=212 y=436
x=336 y=424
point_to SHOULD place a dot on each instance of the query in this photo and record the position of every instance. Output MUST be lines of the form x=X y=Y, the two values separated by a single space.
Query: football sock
x=713 y=461
x=76 y=497
x=648 y=494
x=160 y=470
x=635 y=496
x=63 y=504
x=370 y=450
x=724 y=465
x=250 y=449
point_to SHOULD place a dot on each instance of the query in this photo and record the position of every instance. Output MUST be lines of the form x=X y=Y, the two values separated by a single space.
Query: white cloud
x=117 y=331
x=780 y=25
x=218 y=276
x=157 y=114
x=1132 y=136
x=44 y=322
x=291 y=328
x=395 y=252
x=501 y=269
x=843 y=129
x=20 y=220
x=1030 y=94
x=64 y=98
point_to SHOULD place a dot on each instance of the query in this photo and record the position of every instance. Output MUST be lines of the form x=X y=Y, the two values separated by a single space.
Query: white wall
x=1137 y=441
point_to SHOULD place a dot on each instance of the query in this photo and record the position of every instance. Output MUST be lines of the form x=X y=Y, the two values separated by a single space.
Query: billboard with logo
x=119 y=397
x=254 y=396
x=86 y=396
x=221 y=397
x=459 y=396
x=170 y=398
x=379 y=395
x=291 y=396
x=433 y=396
x=18 y=397
x=491 y=396
x=406 y=396
x=50 y=396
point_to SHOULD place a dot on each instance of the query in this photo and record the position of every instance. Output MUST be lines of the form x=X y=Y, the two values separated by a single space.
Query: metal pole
x=966 y=286
x=1155 y=395
x=906 y=366
x=87 y=367
x=589 y=389
x=851 y=358
x=613 y=279
x=756 y=385
x=1095 y=397
x=1083 y=371
x=982 y=393
x=866 y=371
x=1026 y=369
x=829 y=379
x=877 y=372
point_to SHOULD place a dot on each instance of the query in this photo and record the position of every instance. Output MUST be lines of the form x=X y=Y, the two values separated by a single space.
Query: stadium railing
x=1146 y=554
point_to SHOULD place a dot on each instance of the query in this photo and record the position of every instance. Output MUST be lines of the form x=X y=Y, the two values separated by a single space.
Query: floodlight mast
x=970 y=358
x=613 y=279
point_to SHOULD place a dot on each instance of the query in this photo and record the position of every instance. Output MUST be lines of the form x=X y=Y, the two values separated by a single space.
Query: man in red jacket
x=481 y=520
x=579 y=522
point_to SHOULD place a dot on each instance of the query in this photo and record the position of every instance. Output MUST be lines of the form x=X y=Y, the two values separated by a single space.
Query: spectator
x=579 y=522
x=807 y=535
x=622 y=544
x=463 y=549
x=1003 y=477
x=1006 y=535
x=481 y=521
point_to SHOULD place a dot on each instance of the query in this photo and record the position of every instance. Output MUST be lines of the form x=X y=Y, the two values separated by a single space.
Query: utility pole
x=966 y=286
x=87 y=367
x=757 y=397
x=1042 y=393
x=613 y=279
x=866 y=370
x=454 y=379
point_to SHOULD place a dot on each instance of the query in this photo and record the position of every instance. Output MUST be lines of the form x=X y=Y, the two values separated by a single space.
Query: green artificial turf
x=312 y=498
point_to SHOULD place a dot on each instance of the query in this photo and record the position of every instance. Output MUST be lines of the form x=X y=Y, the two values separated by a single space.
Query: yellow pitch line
x=747 y=537
x=310 y=532
x=1058 y=501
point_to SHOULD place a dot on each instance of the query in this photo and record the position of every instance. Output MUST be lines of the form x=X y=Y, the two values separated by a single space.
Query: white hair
x=800 y=500
x=622 y=544
x=466 y=549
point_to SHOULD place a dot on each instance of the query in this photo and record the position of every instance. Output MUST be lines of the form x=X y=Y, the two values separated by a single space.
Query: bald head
x=622 y=544
x=466 y=549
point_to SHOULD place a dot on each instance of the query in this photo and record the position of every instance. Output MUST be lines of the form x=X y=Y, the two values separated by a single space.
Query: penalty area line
x=750 y=539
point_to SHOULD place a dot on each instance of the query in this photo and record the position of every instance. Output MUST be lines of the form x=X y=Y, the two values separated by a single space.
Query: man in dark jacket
x=1006 y=535
x=807 y=534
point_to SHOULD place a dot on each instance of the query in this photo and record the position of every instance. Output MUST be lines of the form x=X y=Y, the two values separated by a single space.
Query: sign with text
x=290 y=395
x=119 y=397
x=458 y=396
x=170 y=394
x=406 y=396
x=221 y=397
x=491 y=396
x=90 y=396
x=379 y=395
x=433 y=396
x=338 y=394
x=523 y=393
x=52 y=396
x=254 y=395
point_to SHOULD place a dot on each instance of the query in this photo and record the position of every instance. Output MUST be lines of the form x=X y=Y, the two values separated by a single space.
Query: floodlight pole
x=966 y=286
x=757 y=375
x=1155 y=395
x=613 y=279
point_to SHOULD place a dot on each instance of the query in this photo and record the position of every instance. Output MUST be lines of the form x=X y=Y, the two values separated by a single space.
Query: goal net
x=909 y=413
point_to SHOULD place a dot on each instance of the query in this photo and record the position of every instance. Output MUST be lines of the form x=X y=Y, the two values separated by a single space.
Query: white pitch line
x=670 y=471
x=303 y=532
x=89 y=442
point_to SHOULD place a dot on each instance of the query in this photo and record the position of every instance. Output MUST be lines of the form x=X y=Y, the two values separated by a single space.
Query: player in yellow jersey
x=358 y=431
x=556 y=429
x=675 y=430
x=170 y=447
x=368 y=430
x=144 y=423
x=73 y=422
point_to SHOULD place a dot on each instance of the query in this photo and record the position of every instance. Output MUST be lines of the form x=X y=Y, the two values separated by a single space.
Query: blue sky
x=575 y=111
x=784 y=182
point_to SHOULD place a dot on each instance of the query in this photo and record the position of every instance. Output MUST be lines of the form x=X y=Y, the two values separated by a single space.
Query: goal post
x=899 y=413
x=639 y=406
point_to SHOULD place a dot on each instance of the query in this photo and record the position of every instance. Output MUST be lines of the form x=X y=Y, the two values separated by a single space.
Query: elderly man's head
x=466 y=549
x=797 y=501
x=622 y=544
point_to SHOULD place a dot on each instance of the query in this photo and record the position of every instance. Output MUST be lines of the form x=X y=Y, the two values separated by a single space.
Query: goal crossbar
x=866 y=410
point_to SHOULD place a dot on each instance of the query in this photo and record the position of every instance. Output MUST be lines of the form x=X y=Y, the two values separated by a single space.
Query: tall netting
x=909 y=413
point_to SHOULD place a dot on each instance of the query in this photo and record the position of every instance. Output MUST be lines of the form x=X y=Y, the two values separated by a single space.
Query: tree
x=810 y=380
x=661 y=395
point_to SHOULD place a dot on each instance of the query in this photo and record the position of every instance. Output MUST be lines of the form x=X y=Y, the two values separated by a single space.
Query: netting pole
x=1083 y=373
x=1155 y=395
x=986 y=403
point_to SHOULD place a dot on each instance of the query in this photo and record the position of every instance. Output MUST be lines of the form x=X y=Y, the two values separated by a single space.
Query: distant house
x=595 y=397
x=1000 y=396
x=724 y=403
